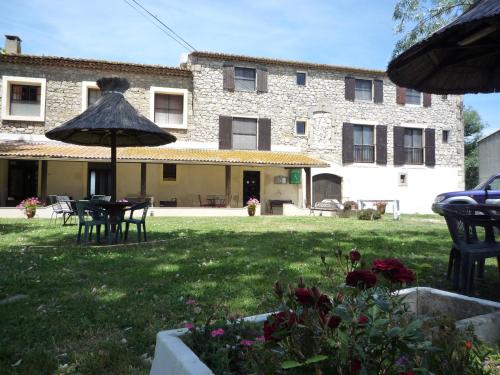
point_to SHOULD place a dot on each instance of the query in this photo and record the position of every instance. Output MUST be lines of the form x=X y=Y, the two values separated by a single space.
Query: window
x=300 y=127
x=403 y=179
x=301 y=78
x=363 y=90
x=23 y=98
x=444 y=97
x=93 y=96
x=168 y=107
x=169 y=172
x=364 y=149
x=446 y=134
x=413 y=146
x=495 y=184
x=244 y=79
x=244 y=133
x=413 y=97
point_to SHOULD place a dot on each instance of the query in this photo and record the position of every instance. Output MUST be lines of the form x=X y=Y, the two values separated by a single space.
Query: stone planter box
x=173 y=357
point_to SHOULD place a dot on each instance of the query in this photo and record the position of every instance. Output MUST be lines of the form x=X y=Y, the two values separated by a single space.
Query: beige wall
x=129 y=180
x=3 y=181
x=67 y=178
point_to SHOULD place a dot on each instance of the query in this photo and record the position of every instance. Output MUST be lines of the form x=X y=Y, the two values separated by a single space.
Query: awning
x=56 y=151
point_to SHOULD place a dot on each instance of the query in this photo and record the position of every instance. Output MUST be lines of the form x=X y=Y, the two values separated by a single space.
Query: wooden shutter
x=350 y=88
x=427 y=100
x=347 y=143
x=399 y=153
x=378 y=91
x=430 y=147
x=264 y=134
x=225 y=132
x=262 y=79
x=228 y=77
x=400 y=95
x=381 y=146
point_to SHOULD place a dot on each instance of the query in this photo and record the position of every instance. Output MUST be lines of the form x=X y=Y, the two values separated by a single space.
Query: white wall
x=372 y=182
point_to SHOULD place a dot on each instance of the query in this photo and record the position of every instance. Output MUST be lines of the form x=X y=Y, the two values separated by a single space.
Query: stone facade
x=64 y=94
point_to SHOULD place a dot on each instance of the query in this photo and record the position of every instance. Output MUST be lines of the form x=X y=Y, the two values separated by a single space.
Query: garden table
x=115 y=211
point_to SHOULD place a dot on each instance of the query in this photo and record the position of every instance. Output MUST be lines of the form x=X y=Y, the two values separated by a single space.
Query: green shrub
x=369 y=214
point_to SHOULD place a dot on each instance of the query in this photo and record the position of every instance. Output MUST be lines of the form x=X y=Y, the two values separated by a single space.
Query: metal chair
x=56 y=207
x=66 y=207
x=140 y=223
x=97 y=218
x=468 y=252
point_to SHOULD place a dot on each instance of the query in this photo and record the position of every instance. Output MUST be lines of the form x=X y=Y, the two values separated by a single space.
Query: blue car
x=486 y=192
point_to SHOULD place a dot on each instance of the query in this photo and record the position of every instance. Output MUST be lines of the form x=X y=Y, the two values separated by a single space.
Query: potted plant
x=363 y=326
x=29 y=206
x=381 y=207
x=350 y=205
x=252 y=206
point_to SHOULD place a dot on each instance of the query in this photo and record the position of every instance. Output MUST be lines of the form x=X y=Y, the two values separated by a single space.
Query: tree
x=416 y=19
x=473 y=125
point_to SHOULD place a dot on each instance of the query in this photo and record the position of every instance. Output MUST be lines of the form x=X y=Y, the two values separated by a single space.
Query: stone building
x=282 y=131
x=489 y=155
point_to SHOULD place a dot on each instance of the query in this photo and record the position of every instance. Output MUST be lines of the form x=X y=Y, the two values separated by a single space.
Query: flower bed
x=368 y=327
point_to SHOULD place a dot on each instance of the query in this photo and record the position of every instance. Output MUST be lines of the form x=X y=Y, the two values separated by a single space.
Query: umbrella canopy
x=111 y=122
x=462 y=57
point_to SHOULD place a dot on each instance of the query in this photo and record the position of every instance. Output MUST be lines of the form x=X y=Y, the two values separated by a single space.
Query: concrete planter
x=173 y=357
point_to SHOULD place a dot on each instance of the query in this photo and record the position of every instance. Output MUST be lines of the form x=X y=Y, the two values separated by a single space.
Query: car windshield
x=481 y=185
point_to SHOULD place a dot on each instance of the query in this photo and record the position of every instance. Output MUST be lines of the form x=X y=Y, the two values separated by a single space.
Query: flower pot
x=173 y=357
x=381 y=209
x=251 y=210
x=30 y=212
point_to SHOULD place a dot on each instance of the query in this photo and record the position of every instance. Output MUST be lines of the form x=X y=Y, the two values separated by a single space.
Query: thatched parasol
x=111 y=122
x=462 y=57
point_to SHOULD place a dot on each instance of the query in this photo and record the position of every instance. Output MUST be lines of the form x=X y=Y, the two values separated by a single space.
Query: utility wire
x=169 y=31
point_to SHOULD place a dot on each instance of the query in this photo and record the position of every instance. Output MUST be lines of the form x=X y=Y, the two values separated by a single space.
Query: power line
x=169 y=31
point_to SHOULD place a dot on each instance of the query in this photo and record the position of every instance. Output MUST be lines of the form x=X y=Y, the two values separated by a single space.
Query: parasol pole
x=113 y=165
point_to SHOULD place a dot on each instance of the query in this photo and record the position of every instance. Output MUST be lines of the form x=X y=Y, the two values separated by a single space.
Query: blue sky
x=340 y=32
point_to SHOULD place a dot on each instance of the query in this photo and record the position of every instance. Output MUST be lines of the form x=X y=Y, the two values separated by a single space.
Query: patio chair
x=468 y=251
x=56 y=207
x=66 y=207
x=97 y=218
x=140 y=223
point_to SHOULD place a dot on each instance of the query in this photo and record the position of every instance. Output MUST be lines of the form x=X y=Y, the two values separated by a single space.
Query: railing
x=364 y=153
x=414 y=155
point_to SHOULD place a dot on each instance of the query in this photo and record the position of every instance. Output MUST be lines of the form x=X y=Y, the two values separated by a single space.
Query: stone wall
x=322 y=101
x=64 y=94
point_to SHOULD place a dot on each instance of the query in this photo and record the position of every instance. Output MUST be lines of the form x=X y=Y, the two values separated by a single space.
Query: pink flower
x=246 y=342
x=189 y=326
x=191 y=302
x=217 y=332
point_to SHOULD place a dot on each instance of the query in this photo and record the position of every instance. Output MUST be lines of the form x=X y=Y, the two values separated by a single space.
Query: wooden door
x=251 y=186
x=327 y=186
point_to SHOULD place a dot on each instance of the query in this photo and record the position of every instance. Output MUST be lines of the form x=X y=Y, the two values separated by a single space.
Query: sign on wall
x=295 y=176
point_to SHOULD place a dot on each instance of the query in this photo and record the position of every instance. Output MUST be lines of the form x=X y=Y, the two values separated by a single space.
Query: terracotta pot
x=30 y=213
x=381 y=209
x=251 y=210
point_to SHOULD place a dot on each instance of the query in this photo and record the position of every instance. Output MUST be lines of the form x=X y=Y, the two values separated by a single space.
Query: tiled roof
x=291 y=63
x=94 y=64
x=159 y=154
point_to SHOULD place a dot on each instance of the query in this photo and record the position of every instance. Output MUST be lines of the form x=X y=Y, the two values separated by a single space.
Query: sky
x=356 y=33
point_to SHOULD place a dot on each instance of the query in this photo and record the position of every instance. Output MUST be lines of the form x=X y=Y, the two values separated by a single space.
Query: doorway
x=327 y=186
x=251 y=186
x=22 y=181
x=99 y=179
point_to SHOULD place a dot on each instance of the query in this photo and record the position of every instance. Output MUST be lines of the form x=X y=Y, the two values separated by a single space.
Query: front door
x=23 y=180
x=327 y=186
x=251 y=186
x=99 y=180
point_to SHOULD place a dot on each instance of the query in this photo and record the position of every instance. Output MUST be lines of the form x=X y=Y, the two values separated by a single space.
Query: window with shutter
x=400 y=95
x=398 y=137
x=347 y=143
x=427 y=100
x=430 y=147
x=244 y=132
x=363 y=90
x=378 y=91
x=225 y=132
x=363 y=143
x=244 y=79
x=264 y=134
x=350 y=88
x=413 y=146
x=413 y=97
x=301 y=78
x=381 y=144
x=228 y=77
x=262 y=79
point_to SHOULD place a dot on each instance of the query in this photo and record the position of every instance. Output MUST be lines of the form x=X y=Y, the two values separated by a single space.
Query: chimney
x=12 y=44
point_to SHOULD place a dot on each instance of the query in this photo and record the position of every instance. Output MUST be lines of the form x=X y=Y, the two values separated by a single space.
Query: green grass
x=96 y=310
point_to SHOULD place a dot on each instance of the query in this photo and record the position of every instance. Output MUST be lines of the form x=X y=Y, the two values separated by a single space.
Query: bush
x=369 y=214
x=348 y=205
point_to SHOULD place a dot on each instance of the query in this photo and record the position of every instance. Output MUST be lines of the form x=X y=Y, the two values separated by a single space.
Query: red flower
x=276 y=321
x=468 y=345
x=361 y=279
x=355 y=255
x=393 y=270
x=362 y=320
x=355 y=366
x=334 y=321
x=323 y=303
x=304 y=296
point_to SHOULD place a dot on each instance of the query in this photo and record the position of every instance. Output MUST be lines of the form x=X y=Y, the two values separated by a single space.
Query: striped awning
x=58 y=151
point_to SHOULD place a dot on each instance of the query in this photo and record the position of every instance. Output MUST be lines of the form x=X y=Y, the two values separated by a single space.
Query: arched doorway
x=327 y=186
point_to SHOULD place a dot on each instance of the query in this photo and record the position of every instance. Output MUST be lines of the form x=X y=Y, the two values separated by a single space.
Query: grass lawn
x=96 y=310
